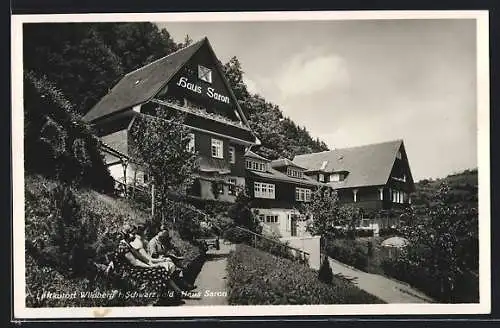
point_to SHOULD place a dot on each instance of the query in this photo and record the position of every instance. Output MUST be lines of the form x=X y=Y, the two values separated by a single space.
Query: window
x=398 y=196
x=355 y=195
x=191 y=144
x=217 y=146
x=321 y=177
x=271 y=219
x=232 y=155
x=263 y=190
x=398 y=155
x=335 y=177
x=232 y=186
x=302 y=194
x=204 y=74
x=256 y=166
x=294 y=173
x=261 y=217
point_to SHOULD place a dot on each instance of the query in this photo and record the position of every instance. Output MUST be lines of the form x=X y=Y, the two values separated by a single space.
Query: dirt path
x=386 y=289
x=211 y=280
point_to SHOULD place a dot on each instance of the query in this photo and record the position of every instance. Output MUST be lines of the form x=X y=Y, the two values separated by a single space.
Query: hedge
x=257 y=278
x=349 y=252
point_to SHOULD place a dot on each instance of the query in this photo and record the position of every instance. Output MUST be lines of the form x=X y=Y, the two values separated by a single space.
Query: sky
x=358 y=82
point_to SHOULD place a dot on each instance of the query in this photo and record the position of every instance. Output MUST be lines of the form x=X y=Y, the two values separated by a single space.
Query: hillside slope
x=67 y=230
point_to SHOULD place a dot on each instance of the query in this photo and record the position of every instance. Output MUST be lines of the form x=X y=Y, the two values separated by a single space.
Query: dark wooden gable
x=402 y=167
x=214 y=97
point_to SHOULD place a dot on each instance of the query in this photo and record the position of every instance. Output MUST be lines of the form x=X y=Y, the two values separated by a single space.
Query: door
x=293 y=225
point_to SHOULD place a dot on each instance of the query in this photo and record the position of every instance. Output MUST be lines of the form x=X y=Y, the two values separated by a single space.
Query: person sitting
x=139 y=244
x=160 y=246
x=155 y=278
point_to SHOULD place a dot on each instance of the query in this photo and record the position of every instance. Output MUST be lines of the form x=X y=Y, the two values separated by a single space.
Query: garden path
x=388 y=290
x=211 y=280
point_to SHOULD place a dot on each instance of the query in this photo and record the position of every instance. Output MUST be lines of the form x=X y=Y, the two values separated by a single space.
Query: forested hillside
x=462 y=189
x=85 y=60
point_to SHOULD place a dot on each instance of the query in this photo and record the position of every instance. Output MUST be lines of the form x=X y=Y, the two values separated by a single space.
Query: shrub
x=236 y=235
x=325 y=273
x=276 y=247
x=349 y=252
x=257 y=278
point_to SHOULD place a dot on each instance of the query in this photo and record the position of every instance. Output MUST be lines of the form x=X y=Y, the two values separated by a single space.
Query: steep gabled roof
x=281 y=162
x=251 y=154
x=368 y=165
x=139 y=86
x=276 y=175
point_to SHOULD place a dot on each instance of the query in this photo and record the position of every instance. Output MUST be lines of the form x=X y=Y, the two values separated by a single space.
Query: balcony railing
x=199 y=111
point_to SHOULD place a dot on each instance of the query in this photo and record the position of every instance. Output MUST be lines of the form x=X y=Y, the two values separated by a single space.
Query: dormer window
x=294 y=173
x=335 y=177
x=204 y=74
x=256 y=165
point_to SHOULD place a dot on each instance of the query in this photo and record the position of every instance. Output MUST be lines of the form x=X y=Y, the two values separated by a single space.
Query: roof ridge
x=164 y=57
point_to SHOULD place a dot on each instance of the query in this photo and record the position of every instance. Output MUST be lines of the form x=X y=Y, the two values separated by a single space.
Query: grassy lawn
x=256 y=277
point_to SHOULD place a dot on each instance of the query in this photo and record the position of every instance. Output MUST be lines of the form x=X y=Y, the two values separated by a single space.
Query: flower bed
x=256 y=277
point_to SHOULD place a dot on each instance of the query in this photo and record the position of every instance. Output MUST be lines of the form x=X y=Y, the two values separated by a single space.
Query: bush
x=257 y=278
x=236 y=235
x=325 y=273
x=466 y=288
x=349 y=252
x=276 y=247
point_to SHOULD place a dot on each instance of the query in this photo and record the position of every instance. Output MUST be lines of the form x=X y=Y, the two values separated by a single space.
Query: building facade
x=375 y=177
x=190 y=81
x=278 y=190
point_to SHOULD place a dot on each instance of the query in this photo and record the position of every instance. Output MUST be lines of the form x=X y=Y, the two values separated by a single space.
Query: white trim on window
x=302 y=194
x=355 y=195
x=255 y=165
x=204 y=73
x=294 y=173
x=217 y=148
x=264 y=190
x=334 y=177
x=272 y=219
x=232 y=154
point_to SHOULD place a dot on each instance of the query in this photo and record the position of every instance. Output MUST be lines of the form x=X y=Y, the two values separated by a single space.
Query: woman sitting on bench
x=128 y=265
x=140 y=243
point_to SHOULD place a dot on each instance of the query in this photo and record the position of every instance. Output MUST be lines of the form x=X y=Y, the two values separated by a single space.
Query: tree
x=444 y=242
x=159 y=145
x=327 y=213
x=241 y=214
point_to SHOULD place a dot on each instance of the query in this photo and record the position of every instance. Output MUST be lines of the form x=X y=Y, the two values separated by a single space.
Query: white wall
x=310 y=245
x=283 y=227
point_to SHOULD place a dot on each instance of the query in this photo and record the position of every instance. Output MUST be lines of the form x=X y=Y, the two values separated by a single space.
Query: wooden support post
x=152 y=200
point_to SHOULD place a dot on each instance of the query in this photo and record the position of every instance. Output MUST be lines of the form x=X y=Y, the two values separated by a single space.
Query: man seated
x=160 y=246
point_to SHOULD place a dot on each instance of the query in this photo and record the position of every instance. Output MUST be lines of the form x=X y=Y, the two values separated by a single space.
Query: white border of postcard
x=483 y=109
